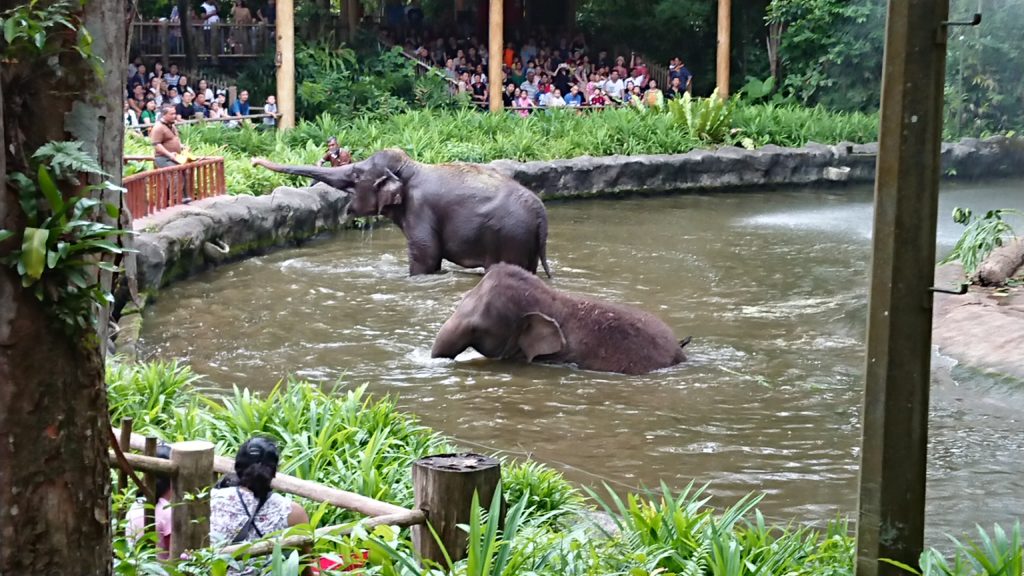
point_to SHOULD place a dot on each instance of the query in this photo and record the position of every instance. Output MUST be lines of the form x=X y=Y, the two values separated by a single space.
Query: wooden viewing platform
x=155 y=190
x=161 y=40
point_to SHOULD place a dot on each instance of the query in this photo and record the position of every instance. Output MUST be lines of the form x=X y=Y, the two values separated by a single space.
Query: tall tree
x=54 y=476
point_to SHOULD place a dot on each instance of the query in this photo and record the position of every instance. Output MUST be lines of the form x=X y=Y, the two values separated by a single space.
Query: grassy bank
x=465 y=135
x=346 y=438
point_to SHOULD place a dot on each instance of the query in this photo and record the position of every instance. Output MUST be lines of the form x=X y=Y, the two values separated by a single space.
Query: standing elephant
x=468 y=214
x=515 y=315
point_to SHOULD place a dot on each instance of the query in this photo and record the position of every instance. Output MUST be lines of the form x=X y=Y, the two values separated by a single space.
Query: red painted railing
x=154 y=190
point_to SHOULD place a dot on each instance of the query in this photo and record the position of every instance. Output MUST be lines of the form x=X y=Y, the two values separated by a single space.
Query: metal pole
x=895 y=422
x=496 y=29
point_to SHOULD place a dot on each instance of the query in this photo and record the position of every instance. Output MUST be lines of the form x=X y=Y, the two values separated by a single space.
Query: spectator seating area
x=547 y=74
x=147 y=89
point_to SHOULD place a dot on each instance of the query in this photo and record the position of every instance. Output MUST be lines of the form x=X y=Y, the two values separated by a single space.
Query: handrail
x=162 y=39
x=154 y=190
x=265 y=547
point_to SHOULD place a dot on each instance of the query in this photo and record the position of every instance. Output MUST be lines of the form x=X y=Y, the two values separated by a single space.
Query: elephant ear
x=389 y=190
x=540 y=335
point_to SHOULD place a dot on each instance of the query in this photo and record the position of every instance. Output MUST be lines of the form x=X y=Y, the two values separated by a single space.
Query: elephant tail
x=542 y=243
x=685 y=341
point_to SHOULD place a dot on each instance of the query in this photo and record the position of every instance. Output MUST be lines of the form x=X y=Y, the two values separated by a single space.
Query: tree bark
x=187 y=43
x=54 y=470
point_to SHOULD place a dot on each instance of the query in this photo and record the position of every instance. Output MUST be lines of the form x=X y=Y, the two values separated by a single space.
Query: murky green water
x=772 y=287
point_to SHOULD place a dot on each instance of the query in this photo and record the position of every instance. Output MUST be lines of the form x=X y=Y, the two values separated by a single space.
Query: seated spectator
x=636 y=97
x=172 y=76
x=508 y=96
x=158 y=70
x=517 y=75
x=270 y=107
x=183 y=86
x=614 y=87
x=675 y=89
x=627 y=93
x=148 y=116
x=555 y=100
x=130 y=118
x=217 y=110
x=156 y=90
x=161 y=513
x=529 y=86
x=524 y=103
x=200 y=107
x=620 y=67
x=336 y=155
x=638 y=70
x=508 y=54
x=562 y=78
x=187 y=110
x=653 y=98
x=574 y=97
x=240 y=107
x=138 y=100
x=251 y=509
x=204 y=88
x=139 y=78
x=598 y=100
x=479 y=90
x=172 y=97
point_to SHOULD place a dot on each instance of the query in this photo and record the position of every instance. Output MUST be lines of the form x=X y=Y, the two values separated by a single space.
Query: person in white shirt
x=614 y=86
x=556 y=100
x=209 y=14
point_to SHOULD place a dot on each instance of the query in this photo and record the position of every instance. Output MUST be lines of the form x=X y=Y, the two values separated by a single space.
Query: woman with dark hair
x=161 y=514
x=250 y=510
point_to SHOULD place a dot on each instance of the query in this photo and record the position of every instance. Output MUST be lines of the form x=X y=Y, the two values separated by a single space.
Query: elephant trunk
x=450 y=341
x=339 y=177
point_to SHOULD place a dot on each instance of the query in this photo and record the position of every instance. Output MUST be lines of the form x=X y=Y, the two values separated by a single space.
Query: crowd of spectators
x=564 y=73
x=148 y=90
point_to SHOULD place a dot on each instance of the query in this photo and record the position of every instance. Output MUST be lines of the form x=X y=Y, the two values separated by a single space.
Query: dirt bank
x=983 y=328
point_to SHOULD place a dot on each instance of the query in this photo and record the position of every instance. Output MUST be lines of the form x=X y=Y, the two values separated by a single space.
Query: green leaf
x=49 y=189
x=5 y=234
x=10 y=30
x=33 y=252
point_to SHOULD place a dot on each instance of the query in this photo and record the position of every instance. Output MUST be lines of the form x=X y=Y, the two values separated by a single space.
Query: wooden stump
x=443 y=486
x=190 y=519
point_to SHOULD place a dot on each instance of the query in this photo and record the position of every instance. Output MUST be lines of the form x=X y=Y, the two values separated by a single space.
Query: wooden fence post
x=124 y=441
x=443 y=488
x=150 y=510
x=190 y=519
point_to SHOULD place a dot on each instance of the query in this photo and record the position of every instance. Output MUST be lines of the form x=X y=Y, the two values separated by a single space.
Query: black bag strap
x=250 y=524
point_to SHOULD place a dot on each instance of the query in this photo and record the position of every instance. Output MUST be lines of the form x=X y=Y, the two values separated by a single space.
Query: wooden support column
x=352 y=11
x=724 y=46
x=285 y=64
x=895 y=422
x=495 y=43
x=443 y=488
x=190 y=519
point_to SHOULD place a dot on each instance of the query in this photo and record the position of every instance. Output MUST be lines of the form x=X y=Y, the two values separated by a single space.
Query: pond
x=771 y=285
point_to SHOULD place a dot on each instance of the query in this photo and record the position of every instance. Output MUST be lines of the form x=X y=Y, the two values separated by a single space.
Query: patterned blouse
x=228 y=515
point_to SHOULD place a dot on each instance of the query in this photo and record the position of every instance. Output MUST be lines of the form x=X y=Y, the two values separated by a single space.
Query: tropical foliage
x=980 y=236
x=466 y=135
x=346 y=438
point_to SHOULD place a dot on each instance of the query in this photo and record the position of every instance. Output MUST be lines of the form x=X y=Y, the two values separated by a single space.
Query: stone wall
x=730 y=168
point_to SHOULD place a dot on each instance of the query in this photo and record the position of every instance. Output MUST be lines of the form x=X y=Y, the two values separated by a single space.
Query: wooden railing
x=444 y=484
x=155 y=190
x=162 y=40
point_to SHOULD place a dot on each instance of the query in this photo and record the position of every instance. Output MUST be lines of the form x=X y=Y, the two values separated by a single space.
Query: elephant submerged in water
x=467 y=214
x=514 y=315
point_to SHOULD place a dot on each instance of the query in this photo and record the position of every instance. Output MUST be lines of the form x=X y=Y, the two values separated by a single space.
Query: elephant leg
x=424 y=256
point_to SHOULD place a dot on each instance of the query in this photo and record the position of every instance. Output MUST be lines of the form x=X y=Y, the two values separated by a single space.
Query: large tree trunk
x=54 y=475
x=187 y=41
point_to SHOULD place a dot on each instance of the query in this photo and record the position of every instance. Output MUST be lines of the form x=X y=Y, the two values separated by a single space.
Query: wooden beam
x=286 y=64
x=496 y=42
x=724 y=45
x=894 y=448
